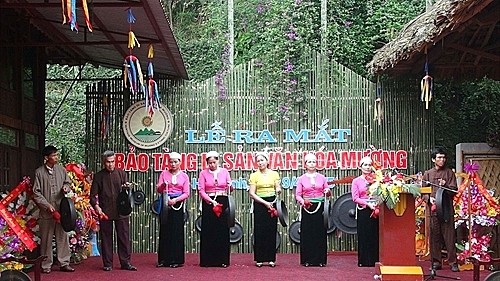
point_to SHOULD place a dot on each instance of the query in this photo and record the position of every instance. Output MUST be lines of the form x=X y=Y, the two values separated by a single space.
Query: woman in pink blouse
x=367 y=224
x=173 y=183
x=214 y=184
x=310 y=194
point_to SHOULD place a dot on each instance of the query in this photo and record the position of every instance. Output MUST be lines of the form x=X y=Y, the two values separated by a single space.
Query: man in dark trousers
x=442 y=230
x=106 y=186
x=51 y=182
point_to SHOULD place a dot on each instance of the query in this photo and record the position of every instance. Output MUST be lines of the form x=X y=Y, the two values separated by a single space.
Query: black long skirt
x=214 y=245
x=171 y=242
x=367 y=238
x=313 y=237
x=265 y=228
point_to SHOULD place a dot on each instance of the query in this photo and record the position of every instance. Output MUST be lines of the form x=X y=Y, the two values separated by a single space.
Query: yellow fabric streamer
x=151 y=51
x=68 y=9
x=86 y=13
x=63 y=11
x=132 y=40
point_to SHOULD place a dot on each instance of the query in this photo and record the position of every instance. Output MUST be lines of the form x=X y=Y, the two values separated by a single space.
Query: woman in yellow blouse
x=264 y=186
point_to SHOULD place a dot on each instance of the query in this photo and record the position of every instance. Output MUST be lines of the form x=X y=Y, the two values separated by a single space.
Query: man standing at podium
x=441 y=178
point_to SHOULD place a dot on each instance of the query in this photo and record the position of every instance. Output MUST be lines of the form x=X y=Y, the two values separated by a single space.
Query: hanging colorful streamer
x=426 y=84
x=378 y=102
x=105 y=118
x=69 y=14
x=132 y=73
x=151 y=94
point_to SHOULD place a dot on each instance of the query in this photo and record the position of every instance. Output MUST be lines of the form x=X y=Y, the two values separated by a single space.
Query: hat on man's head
x=212 y=153
x=174 y=155
x=263 y=154
x=310 y=157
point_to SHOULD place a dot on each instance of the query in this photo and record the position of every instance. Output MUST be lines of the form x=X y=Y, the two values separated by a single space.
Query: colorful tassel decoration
x=132 y=74
x=151 y=94
x=426 y=84
x=69 y=14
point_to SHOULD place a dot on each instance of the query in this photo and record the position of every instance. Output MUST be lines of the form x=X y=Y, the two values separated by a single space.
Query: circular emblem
x=144 y=131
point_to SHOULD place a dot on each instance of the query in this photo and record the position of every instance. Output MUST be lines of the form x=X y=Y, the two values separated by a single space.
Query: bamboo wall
x=334 y=92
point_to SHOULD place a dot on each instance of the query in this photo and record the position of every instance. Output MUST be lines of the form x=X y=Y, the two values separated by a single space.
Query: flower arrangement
x=385 y=185
x=480 y=214
x=478 y=248
x=24 y=212
x=86 y=222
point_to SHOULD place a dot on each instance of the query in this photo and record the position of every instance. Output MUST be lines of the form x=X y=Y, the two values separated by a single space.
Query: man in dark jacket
x=441 y=177
x=106 y=186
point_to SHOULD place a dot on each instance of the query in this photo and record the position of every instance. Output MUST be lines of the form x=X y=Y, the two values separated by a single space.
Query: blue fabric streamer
x=150 y=69
x=130 y=16
x=133 y=71
x=73 y=24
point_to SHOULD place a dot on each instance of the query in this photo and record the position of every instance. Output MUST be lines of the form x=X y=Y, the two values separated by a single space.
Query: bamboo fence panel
x=333 y=92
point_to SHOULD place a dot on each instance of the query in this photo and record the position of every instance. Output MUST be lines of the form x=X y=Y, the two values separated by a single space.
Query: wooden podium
x=397 y=259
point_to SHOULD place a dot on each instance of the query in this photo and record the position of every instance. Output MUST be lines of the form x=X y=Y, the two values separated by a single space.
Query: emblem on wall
x=145 y=131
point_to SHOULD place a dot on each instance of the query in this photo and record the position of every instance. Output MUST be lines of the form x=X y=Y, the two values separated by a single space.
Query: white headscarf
x=364 y=160
x=174 y=155
x=263 y=154
x=214 y=154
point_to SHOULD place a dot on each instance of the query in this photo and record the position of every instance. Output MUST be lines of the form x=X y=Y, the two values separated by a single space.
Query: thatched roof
x=461 y=38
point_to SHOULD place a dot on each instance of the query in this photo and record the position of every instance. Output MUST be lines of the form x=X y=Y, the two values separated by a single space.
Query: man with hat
x=51 y=182
x=106 y=187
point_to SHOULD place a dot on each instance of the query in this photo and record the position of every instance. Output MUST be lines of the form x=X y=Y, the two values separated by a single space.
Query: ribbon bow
x=471 y=167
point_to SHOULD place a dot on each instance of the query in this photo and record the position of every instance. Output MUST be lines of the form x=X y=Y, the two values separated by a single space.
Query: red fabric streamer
x=217 y=208
x=56 y=216
x=273 y=212
x=375 y=213
x=307 y=204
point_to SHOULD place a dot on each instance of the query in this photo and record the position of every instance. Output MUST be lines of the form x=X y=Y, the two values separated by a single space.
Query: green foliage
x=67 y=129
x=467 y=112
x=277 y=33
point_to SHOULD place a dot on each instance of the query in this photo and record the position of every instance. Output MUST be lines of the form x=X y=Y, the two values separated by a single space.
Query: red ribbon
x=72 y=167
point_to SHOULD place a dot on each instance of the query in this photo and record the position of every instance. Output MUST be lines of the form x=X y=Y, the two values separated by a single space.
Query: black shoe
x=454 y=267
x=436 y=266
x=160 y=265
x=129 y=267
x=322 y=265
x=107 y=268
x=67 y=268
x=223 y=265
x=174 y=265
x=306 y=264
